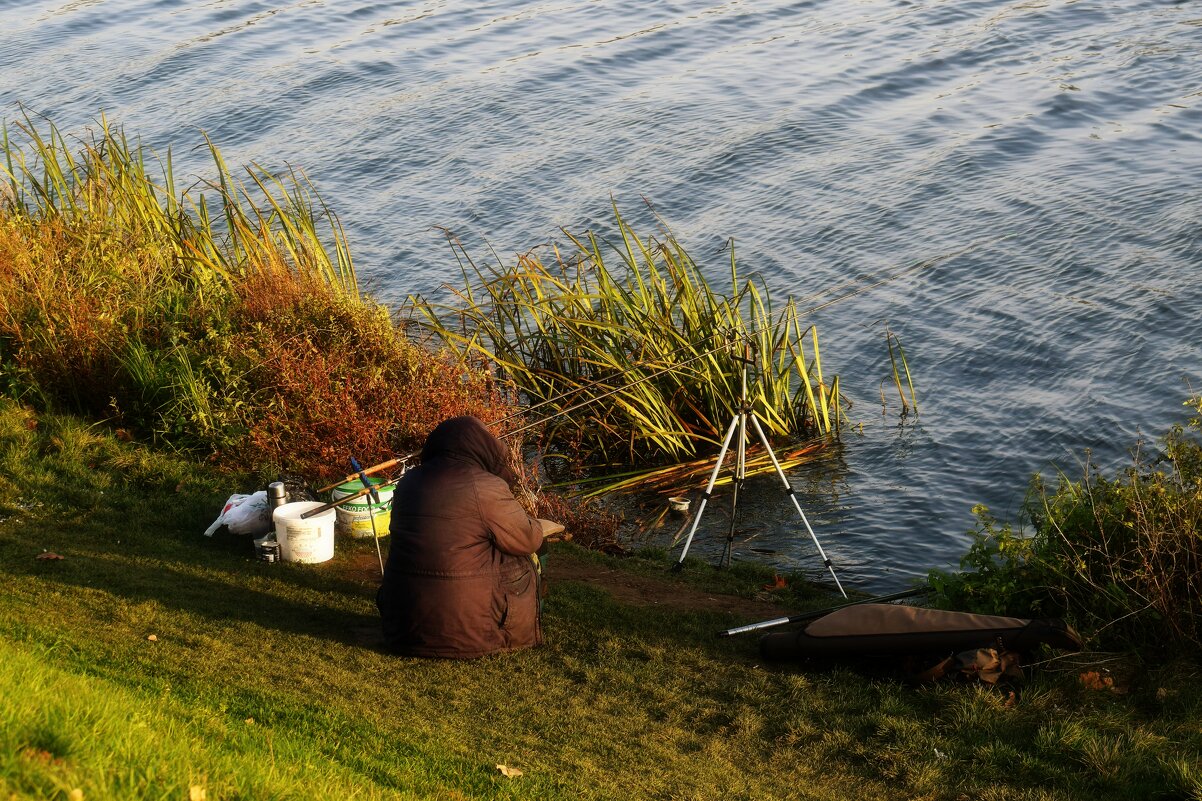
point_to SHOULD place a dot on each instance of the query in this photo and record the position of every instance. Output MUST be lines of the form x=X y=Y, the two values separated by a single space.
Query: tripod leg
x=793 y=496
x=740 y=476
x=709 y=488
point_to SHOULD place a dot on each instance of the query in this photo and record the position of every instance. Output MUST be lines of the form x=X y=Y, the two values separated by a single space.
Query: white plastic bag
x=244 y=514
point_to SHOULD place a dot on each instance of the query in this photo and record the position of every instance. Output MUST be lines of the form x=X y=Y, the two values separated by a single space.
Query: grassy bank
x=150 y=661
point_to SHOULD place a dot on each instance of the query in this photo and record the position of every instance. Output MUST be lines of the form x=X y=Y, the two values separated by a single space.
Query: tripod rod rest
x=734 y=339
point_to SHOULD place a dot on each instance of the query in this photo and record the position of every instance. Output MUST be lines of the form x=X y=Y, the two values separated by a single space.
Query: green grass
x=265 y=681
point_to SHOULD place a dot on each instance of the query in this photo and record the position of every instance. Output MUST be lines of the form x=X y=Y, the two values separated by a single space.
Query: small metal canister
x=269 y=551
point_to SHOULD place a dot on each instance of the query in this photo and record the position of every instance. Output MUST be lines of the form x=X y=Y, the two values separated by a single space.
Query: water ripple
x=1053 y=146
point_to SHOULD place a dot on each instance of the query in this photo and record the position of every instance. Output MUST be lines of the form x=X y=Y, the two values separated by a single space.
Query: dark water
x=1055 y=146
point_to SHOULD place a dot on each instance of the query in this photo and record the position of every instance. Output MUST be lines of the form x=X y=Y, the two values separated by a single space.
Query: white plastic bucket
x=307 y=541
x=354 y=518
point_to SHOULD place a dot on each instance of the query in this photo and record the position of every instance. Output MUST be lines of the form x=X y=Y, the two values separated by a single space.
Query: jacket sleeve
x=513 y=531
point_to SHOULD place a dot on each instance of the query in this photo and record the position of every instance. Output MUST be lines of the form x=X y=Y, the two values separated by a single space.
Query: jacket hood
x=466 y=439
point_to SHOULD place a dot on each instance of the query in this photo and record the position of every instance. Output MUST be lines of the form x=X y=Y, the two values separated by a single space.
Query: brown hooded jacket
x=460 y=582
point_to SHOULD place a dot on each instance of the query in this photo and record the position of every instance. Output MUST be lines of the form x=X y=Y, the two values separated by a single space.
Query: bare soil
x=630 y=588
x=625 y=586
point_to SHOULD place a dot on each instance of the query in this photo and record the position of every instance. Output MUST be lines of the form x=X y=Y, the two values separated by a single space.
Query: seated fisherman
x=460 y=581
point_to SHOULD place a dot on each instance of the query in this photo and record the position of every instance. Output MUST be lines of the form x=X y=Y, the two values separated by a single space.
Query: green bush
x=1118 y=557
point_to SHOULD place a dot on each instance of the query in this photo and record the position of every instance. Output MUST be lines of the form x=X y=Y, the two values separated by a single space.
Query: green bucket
x=355 y=518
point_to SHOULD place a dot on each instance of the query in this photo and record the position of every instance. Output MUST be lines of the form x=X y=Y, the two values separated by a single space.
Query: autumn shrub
x=81 y=312
x=232 y=329
x=326 y=377
x=1118 y=556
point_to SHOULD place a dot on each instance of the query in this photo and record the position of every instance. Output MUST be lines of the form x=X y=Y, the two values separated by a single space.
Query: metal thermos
x=277 y=494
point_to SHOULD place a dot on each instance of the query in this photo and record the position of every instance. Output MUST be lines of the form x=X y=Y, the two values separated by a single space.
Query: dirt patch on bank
x=625 y=586
x=632 y=588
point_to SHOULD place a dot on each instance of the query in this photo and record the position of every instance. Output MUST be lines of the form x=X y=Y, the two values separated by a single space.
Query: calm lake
x=1054 y=146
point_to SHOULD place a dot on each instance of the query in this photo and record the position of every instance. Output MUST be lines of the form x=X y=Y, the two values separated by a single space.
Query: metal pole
x=740 y=475
x=740 y=464
x=793 y=496
x=817 y=613
x=709 y=488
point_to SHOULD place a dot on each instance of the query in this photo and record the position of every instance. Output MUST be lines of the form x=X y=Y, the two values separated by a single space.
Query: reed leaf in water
x=896 y=359
x=670 y=479
x=634 y=325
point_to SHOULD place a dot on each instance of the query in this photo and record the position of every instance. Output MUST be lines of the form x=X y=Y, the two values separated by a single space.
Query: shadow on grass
x=145 y=550
x=223 y=585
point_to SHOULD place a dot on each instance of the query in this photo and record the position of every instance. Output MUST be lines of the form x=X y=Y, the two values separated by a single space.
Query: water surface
x=1054 y=146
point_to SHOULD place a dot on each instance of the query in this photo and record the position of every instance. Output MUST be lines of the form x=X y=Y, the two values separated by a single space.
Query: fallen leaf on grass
x=1093 y=680
x=778 y=583
x=152 y=637
x=508 y=772
x=41 y=755
x=49 y=555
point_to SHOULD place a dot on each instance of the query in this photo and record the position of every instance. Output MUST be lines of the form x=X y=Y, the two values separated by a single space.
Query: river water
x=1054 y=147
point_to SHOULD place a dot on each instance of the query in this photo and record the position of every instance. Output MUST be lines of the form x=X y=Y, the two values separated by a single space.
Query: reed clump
x=1118 y=556
x=635 y=322
x=225 y=320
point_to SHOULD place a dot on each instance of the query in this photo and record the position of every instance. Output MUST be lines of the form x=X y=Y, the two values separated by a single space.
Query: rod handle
x=780 y=621
x=373 y=469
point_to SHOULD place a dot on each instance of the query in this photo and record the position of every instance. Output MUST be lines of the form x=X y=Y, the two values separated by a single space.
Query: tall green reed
x=900 y=367
x=632 y=336
x=263 y=221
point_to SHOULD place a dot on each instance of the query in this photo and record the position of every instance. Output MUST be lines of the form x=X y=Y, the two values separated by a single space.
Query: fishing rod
x=400 y=460
x=817 y=613
x=922 y=265
x=576 y=390
x=367 y=471
x=730 y=333
x=672 y=368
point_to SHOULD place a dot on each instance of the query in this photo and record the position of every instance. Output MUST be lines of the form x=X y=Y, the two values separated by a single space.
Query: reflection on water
x=1053 y=146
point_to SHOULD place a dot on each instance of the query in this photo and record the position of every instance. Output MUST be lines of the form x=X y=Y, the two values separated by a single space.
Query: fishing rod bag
x=891 y=630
